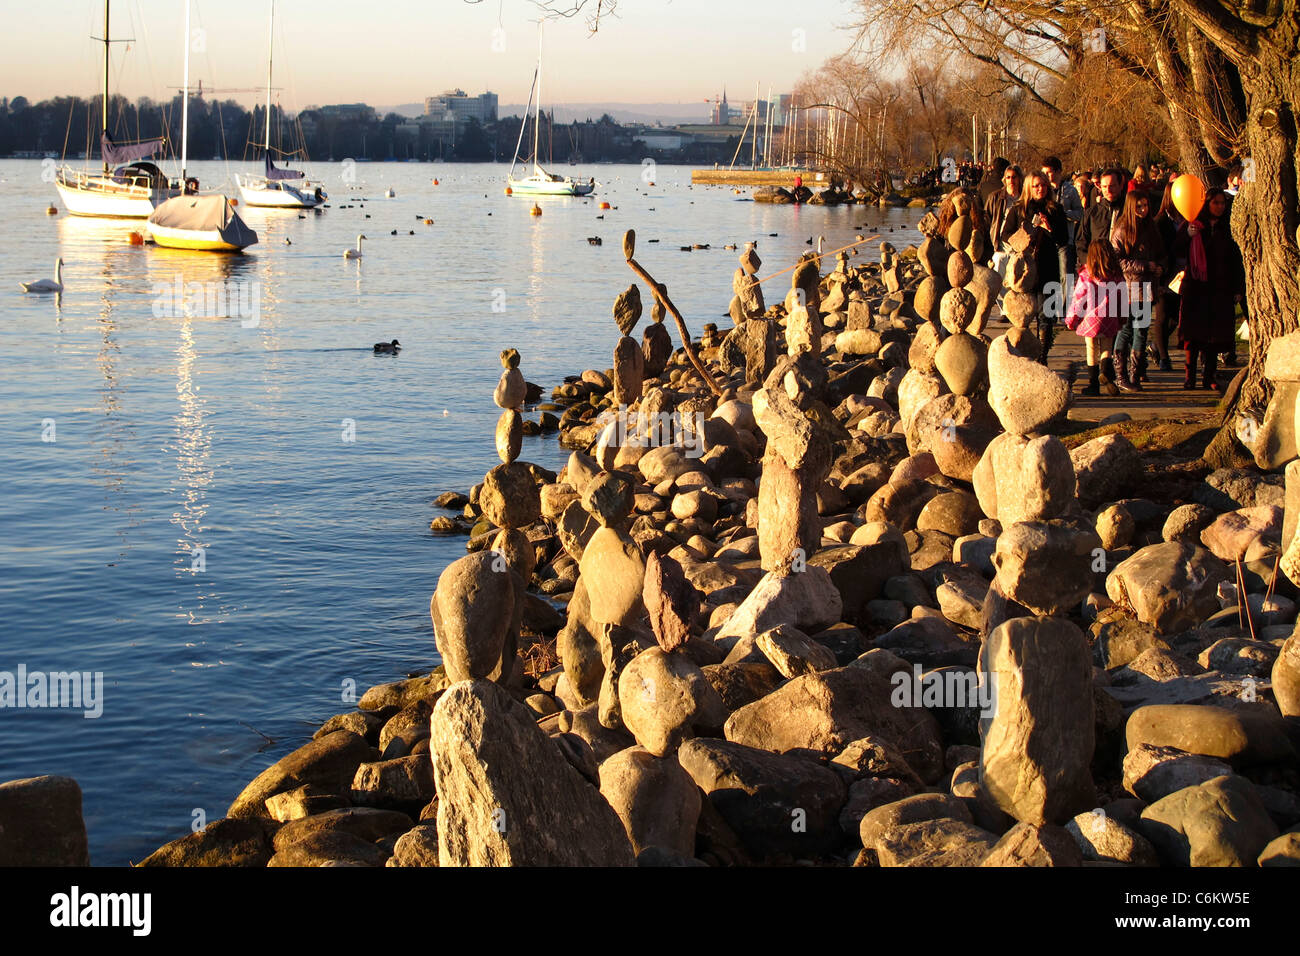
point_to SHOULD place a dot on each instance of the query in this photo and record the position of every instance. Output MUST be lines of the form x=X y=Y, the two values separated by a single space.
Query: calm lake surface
x=180 y=506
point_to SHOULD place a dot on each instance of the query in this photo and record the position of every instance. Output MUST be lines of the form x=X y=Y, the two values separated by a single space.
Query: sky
x=391 y=52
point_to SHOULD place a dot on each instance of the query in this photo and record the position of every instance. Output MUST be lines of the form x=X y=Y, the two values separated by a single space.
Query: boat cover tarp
x=275 y=174
x=204 y=214
x=115 y=155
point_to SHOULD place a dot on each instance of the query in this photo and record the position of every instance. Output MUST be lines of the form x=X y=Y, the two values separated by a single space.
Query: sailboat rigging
x=540 y=182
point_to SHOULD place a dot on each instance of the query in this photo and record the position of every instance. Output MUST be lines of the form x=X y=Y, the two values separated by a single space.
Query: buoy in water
x=535 y=211
x=137 y=239
x=435 y=182
x=604 y=205
x=509 y=191
x=52 y=211
x=428 y=222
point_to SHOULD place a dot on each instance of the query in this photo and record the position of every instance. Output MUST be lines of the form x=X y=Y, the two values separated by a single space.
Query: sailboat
x=540 y=182
x=190 y=221
x=276 y=187
x=126 y=186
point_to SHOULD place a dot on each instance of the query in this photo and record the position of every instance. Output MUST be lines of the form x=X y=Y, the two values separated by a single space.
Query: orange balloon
x=1188 y=196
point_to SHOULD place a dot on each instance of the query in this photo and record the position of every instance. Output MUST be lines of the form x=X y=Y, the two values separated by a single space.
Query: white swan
x=47 y=285
x=354 y=253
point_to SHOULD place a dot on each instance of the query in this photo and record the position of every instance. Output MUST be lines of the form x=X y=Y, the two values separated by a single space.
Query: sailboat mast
x=537 y=122
x=185 y=93
x=270 y=53
x=104 y=158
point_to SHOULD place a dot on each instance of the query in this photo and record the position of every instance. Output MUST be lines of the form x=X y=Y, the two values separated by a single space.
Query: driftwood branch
x=661 y=296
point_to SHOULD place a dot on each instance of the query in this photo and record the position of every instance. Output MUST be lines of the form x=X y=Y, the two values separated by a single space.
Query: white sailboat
x=539 y=182
x=206 y=223
x=129 y=191
x=275 y=187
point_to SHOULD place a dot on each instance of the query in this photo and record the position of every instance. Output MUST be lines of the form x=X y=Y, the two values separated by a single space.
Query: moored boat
x=202 y=223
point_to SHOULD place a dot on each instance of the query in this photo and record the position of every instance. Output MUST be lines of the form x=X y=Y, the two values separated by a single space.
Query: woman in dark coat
x=1210 y=290
x=1168 y=219
x=1044 y=219
x=1142 y=257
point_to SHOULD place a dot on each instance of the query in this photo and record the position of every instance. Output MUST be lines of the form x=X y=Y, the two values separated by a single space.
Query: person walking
x=1215 y=281
x=1064 y=193
x=1094 y=312
x=1165 y=313
x=1102 y=213
x=1141 y=258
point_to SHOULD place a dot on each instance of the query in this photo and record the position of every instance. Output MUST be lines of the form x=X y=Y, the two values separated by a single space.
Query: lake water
x=229 y=519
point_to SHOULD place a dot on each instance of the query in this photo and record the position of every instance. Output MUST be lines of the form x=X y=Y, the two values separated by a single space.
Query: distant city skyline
x=402 y=51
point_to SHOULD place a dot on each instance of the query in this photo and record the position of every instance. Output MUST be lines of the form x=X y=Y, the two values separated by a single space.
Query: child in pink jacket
x=1098 y=302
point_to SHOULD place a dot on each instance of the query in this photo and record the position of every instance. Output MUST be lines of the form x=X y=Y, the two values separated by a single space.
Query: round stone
x=959 y=233
x=509 y=497
x=511 y=389
x=609 y=497
x=962 y=360
x=1019 y=308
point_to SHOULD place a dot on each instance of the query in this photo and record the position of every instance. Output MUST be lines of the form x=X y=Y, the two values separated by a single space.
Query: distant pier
x=758 y=177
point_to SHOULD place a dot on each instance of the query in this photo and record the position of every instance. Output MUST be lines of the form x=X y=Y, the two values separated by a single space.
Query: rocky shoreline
x=838 y=587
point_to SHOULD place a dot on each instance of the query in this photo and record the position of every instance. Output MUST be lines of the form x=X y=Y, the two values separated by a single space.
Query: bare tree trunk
x=1265 y=216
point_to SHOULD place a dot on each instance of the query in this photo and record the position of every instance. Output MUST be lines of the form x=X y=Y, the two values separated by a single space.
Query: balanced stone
x=510 y=435
x=1018 y=308
x=1021 y=479
x=627 y=309
x=956 y=309
x=960 y=269
x=671 y=600
x=629 y=371
x=1026 y=395
x=614 y=571
x=509 y=497
x=655 y=798
x=476 y=613
x=962 y=361
x=511 y=389
x=656 y=348
x=609 y=497
x=663 y=697
x=1045 y=566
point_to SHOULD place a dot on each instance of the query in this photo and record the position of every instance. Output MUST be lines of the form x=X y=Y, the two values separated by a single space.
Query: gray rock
x=1045 y=566
x=1038 y=746
x=492 y=814
x=1172 y=586
x=806 y=599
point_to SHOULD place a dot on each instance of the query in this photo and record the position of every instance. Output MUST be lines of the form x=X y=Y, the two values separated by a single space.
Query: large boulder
x=1222 y=822
x=806 y=599
x=1241 y=738
x=226 y=842
x=655 y=798
x=662 y=698
x=1037 y=747
x=1172 y=585
x=506 y=794
x=1045 y=565
x=825 y=712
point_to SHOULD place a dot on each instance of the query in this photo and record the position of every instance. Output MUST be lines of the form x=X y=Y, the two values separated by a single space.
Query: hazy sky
x=387 y=52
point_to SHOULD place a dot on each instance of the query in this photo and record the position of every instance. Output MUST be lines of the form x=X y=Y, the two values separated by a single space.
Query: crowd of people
x=1117 y=261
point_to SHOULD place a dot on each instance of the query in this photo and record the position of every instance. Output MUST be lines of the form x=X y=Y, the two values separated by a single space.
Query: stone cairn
x=880 y=614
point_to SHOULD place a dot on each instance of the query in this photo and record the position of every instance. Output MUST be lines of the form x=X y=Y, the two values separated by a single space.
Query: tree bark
x=1266 y=214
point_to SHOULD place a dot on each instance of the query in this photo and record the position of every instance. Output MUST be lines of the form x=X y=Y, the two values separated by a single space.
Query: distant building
x=722 y=114
x=455 y=106
x=359 y=112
